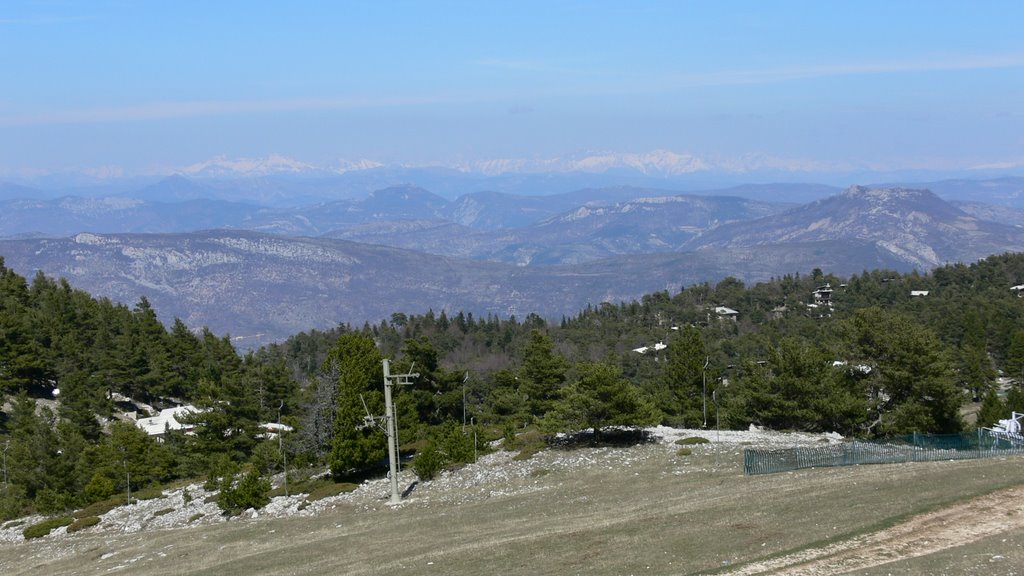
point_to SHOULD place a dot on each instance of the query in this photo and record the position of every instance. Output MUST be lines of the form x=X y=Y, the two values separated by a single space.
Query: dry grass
x=663 y=515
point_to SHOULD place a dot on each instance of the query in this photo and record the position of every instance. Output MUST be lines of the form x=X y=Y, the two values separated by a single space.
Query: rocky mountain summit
x=914 y=225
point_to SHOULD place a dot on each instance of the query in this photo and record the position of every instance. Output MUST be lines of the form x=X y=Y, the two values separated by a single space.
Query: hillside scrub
x=240 y=494
x=40 y=529
x=82 y=523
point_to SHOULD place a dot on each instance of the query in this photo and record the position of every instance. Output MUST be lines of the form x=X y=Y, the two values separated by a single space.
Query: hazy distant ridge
x=915 y=225
x=267 y=287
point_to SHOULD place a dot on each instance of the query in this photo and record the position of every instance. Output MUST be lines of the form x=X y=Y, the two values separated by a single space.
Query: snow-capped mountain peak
x=273 y=164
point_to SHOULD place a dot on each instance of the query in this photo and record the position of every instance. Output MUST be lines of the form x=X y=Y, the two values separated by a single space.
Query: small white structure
x=1011 y=424
x=919 y=292
x=167 y=420
x=645 y=349
x=725 y=312
x=273 y=429
x=1009 y=429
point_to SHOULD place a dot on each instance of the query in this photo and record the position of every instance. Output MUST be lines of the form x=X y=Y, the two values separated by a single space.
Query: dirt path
x=921 y=535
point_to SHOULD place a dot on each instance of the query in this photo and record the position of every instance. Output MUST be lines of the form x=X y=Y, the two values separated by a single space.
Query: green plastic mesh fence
x=910 y=448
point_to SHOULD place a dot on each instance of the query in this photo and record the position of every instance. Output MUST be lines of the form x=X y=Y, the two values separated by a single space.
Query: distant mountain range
x=262 y=288
x=468 y=255
x=915 y=226
x=278 y=181
x=644 y=225
x=490 y=218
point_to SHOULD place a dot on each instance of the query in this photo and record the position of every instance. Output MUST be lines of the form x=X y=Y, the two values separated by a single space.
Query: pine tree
x=992 y=410
x=183 y=358
x=798 y=389
x=599 y=398
x=360 y=380
x=912 y=380
x=542 y=374
x=20 y=358
x=1014 y=366
x=31 y=458
x=682 y=383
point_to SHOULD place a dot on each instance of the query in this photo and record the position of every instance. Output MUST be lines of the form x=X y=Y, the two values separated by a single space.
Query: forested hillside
x=872 y=354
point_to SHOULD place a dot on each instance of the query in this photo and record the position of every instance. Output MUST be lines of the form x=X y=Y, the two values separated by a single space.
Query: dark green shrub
x=83 y=523
x=50 y=501
x=162 y=512
x=102 y=507
x=219 y=468
x=13 y=502
x=266 y=457
x=448 y=446
x=455 y=444
x=529 y=450
x=692 y=440
x=99 y=488
x=252 y=491
x=43 y=528
x=148 y=494
x=684 y=452
x=330 y=489
x=195 y=517
x=428 y=462
x=508 y=437
x=302 y=484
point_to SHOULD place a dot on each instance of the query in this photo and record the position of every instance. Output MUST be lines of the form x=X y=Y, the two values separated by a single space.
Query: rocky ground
x=495 y=474
x=563 y=510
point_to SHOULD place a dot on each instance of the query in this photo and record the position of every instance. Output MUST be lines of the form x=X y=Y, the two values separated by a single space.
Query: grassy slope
x=663 y=515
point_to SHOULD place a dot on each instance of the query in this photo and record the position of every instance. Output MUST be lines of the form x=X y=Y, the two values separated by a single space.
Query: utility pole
x=718 y=428
x=127 y=472
x=464 y=380
x=128 y=480
x=390 y=424
x=704 y=389
x=280 y=446
x=7 y=446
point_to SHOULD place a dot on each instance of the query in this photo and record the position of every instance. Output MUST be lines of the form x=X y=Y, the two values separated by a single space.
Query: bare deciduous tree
x=317 y=428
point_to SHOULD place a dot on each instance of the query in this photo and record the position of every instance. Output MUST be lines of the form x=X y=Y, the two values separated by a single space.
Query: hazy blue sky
x=144 y=85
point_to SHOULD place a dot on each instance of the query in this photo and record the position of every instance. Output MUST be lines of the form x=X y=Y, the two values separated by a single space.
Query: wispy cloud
x=785 y=74
x=192 y=109
x=207 y=108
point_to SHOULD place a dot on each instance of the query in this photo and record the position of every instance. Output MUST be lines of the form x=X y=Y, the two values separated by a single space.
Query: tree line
x=889 y=353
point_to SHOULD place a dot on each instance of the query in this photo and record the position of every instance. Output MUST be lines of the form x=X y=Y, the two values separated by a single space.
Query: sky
x=135 y=87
